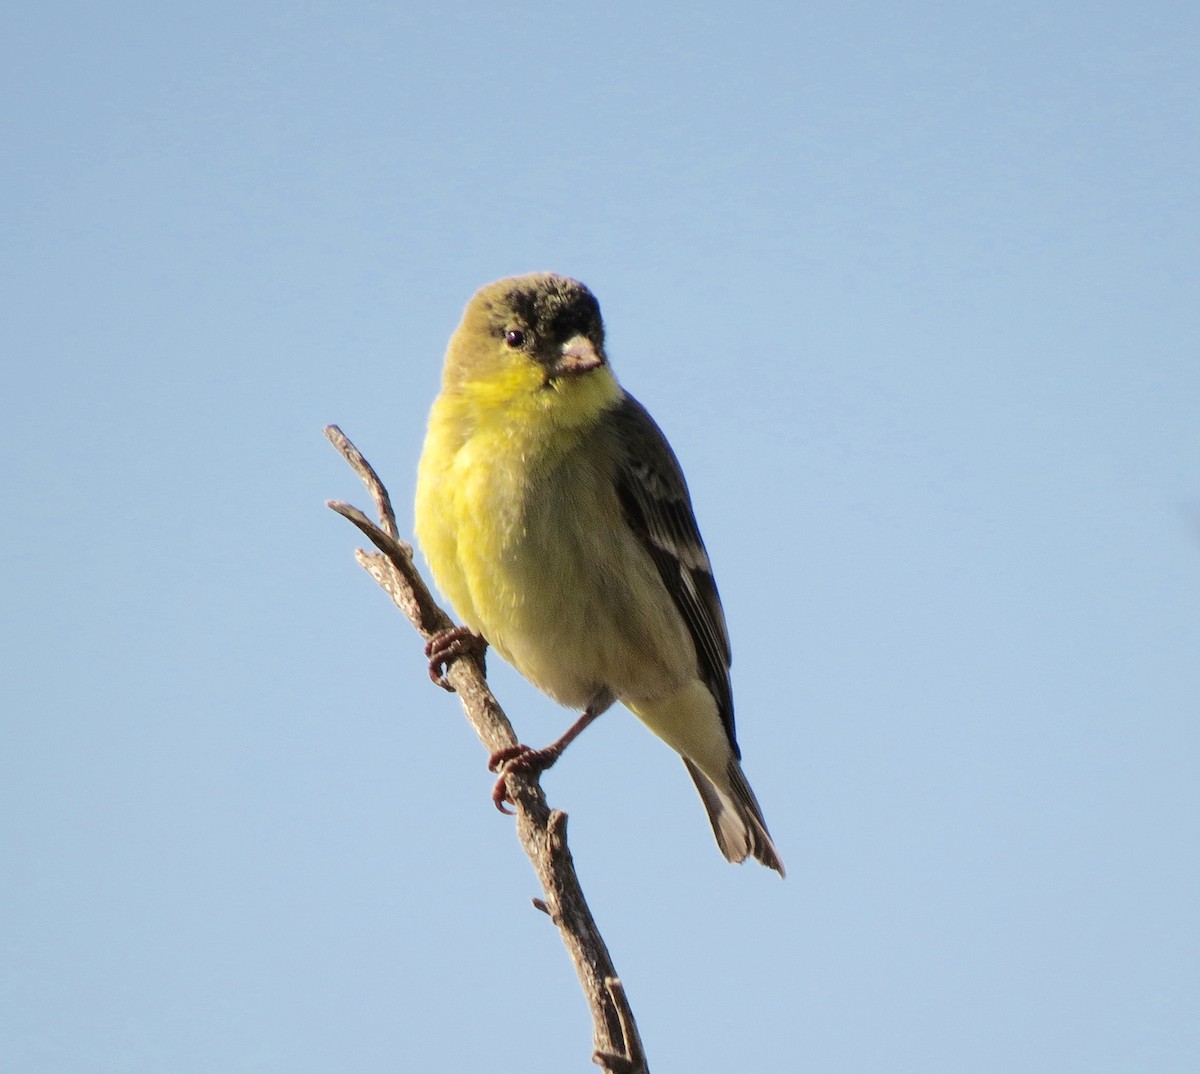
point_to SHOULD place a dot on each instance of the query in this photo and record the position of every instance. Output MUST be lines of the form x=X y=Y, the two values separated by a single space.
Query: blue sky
x=914 y=293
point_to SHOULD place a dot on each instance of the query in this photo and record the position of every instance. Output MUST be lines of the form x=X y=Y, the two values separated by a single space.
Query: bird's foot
x=446 y=646
x=520 y=758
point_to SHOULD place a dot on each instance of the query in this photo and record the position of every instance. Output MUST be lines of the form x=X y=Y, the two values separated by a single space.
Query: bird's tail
x=736 y=818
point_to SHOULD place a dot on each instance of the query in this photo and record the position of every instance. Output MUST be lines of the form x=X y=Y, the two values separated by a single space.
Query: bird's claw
x=519 y=758
x=446 y=646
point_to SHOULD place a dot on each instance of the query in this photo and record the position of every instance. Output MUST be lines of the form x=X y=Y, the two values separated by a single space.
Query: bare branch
x=383 y=502
x=617 y=1047
x=635 y=1061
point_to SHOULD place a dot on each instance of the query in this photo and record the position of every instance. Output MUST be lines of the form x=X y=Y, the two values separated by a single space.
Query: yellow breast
x=522 y=528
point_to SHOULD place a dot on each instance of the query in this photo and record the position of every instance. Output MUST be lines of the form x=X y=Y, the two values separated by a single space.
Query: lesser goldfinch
x=556 y=519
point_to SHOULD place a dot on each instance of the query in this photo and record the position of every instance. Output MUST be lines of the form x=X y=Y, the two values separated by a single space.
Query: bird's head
x=523 y=334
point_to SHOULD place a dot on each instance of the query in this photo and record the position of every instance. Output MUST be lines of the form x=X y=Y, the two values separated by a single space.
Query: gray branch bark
x=617 y=1047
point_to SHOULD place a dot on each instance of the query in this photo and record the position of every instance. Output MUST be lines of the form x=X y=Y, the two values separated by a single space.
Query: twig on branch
x=617 y=1048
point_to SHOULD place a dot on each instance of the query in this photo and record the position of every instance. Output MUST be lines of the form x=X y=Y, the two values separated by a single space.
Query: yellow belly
x=541 y=563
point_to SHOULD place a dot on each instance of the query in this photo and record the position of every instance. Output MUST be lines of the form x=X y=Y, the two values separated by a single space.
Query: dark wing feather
x=656 y=505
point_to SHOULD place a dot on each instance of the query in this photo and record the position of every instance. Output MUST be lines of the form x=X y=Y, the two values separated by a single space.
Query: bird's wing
x=656 y=505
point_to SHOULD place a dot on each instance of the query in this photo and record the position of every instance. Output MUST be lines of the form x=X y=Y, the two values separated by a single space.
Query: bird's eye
x=514 y=337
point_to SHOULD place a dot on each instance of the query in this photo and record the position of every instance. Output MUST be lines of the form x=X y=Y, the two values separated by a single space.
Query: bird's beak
x=579 y=355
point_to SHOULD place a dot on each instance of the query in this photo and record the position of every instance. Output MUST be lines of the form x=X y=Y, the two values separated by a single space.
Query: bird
x=555 y=518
